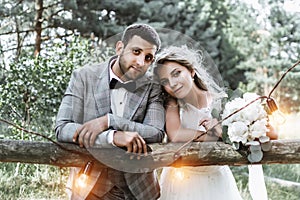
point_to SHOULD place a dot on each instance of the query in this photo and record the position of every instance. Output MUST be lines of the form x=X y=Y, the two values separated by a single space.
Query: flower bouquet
x=245 y=123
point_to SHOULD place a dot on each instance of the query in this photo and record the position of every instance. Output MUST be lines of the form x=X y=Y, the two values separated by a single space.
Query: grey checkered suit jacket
x=87 y=97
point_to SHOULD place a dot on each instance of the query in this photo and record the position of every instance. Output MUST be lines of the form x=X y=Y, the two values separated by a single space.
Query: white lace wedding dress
x=199 y=183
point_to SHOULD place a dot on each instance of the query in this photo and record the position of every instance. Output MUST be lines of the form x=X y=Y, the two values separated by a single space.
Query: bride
x=191 y=94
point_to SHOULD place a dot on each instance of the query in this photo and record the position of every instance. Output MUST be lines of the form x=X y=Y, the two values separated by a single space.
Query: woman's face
x=176 y=79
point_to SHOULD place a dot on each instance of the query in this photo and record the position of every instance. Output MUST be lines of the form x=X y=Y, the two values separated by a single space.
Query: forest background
x=42 y=41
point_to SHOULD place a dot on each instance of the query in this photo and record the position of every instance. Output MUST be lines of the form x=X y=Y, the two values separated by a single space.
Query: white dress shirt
x=118 y=97
x=117 y=101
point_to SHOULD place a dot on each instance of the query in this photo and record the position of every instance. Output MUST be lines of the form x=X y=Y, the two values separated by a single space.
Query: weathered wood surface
x=211 y=153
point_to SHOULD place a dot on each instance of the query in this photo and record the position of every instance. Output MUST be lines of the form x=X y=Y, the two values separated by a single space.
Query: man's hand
x=131 y=140
x=87 y=133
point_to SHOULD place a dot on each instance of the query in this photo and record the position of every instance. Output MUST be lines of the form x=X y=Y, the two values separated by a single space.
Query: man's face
x=134 y=59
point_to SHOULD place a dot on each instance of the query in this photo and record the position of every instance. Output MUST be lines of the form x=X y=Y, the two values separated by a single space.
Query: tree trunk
x=38 y=26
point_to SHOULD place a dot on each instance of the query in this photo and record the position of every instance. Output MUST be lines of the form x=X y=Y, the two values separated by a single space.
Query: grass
x=42 y=182
x=27 y=181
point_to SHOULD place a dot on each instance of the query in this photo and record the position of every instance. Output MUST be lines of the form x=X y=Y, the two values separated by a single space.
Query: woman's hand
x=212 y=126
x=272 y=134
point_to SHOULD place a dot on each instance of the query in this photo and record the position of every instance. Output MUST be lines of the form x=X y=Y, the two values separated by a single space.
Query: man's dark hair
x=145 y=31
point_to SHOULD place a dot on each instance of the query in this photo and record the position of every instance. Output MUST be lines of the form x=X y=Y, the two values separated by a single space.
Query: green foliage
x=269 y=51
x=33 y=87
x=225 y=137
x=203 y=21
x=276 y=190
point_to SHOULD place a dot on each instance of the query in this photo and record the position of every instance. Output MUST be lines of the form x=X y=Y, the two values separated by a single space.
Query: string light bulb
x=277 y=115
x=83 y=176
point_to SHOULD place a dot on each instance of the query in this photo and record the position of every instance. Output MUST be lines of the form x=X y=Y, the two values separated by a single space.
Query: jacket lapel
x=134 y=99
x=101 y=91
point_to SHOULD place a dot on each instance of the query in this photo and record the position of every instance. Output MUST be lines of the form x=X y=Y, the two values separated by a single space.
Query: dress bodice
x=190 y=116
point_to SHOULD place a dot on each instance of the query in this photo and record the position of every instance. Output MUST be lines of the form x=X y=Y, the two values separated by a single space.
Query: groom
x=116 y=103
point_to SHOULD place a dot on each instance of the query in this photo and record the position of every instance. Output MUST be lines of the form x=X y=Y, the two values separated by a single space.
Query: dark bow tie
x=115 y=84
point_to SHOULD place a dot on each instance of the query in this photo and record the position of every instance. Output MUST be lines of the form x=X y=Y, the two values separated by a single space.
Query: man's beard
x=122 y=66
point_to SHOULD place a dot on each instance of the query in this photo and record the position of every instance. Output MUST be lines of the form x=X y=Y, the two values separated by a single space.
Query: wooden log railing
x=71 y=155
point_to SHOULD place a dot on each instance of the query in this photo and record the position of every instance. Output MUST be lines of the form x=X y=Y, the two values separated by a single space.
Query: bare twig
x=39 y=134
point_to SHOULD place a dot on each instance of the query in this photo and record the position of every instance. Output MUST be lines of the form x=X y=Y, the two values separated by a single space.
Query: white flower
x=247 y=124
x=238 y=132
x=258 y=129
x=231 y=107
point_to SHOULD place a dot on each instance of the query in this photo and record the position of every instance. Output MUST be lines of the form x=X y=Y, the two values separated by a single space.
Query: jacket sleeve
x=74 y=111
x=70 y=114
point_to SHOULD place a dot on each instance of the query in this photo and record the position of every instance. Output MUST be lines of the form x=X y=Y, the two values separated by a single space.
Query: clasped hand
x=133 y=141
x=87 y=133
